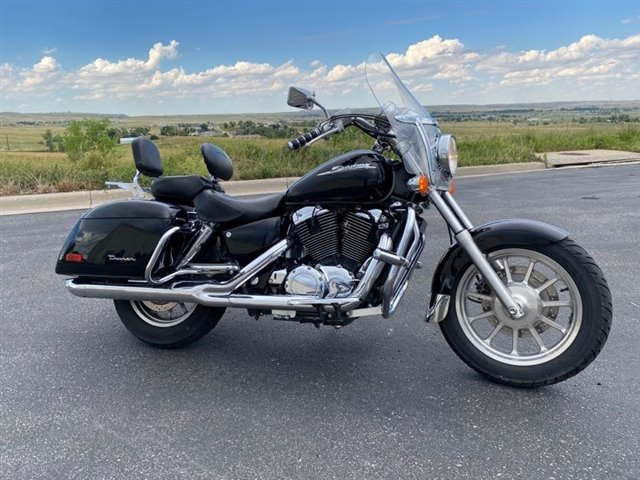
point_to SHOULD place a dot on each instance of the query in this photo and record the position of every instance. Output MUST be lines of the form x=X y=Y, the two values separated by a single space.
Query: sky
x=207 y=57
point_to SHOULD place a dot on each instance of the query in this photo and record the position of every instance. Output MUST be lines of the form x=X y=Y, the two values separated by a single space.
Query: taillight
x=73 y=257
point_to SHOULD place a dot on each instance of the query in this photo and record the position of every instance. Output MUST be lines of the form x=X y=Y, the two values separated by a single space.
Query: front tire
x=567 y=318
x=167 y=324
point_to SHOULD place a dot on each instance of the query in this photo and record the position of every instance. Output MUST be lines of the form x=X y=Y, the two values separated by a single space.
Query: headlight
x=448 y=153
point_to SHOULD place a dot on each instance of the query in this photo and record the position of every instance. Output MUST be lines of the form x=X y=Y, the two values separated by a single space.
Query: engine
x=337 y=238
x=334 y=245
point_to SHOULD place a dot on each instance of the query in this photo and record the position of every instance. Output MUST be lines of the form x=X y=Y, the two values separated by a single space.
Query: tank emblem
x=348 y=168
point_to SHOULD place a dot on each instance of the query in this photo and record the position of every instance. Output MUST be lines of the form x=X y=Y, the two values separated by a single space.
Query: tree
x=47 y=138
x=88 y=140
x=53 y=142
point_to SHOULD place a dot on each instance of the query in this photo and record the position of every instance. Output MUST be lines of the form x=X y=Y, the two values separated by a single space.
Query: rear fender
x=515 y=233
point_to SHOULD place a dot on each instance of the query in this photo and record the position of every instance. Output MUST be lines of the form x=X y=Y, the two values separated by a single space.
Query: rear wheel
x=167 y=324
x=567 y=307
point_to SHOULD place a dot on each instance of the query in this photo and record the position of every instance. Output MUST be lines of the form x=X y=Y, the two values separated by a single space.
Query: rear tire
x=567 y=321
x=167 y=325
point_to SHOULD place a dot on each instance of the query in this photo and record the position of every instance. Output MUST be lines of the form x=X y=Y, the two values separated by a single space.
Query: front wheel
x=567 y=306
x=167 y=324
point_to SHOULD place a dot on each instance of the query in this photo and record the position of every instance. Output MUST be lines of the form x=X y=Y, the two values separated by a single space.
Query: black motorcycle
x=517 y=300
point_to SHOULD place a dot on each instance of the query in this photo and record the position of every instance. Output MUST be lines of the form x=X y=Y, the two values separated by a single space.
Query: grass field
x=26 y=166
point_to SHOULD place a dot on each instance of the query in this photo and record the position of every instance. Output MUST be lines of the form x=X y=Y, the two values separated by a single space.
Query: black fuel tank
x=116 y=239
x=357 y=177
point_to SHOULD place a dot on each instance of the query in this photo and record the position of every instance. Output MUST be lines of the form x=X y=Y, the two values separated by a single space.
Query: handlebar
x=303 y=139
x=337 y=124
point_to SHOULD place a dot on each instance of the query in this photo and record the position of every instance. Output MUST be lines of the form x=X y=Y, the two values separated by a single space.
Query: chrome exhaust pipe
x=220 y=294
x=200 y=296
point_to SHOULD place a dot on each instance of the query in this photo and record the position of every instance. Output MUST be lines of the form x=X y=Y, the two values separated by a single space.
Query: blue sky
x=154 y=57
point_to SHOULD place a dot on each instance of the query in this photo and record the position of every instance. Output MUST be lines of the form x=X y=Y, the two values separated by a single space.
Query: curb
x=55 y=202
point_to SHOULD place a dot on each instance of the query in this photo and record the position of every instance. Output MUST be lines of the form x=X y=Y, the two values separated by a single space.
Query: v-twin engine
x=338 y=238
x=335 y=245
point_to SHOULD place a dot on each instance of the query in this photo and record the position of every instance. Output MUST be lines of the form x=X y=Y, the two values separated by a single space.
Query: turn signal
x=419 y=184
x=423 y=185
x=73 y=257
x=452 y=187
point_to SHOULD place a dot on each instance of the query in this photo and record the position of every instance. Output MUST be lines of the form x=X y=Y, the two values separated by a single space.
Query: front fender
x=515 y=233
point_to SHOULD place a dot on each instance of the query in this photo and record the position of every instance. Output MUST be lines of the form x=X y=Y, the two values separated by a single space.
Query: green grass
x=32 y=170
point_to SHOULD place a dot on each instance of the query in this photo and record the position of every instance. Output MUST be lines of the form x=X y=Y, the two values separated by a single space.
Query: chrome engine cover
x=321 y=282
x=340 y=281
x=305 y=280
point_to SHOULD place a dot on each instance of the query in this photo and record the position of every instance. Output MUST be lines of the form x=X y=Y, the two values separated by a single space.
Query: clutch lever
x=337 y=129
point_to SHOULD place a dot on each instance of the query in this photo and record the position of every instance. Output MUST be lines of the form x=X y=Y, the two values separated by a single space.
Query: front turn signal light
x=419 y=184
x=452 y=187
x=423 y=185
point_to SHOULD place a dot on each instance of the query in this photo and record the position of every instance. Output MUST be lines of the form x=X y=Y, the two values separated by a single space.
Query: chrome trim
x=203 y=236
x=213 y=268
x=409 y=248
x=446 y=211
x=148 y=271
x=443 y=147
x=133 y=187
x=438 y=312
x=201 y=296
x=191 y=269
x=373 y=271
x=465 y=240
x=220 y=294
x=457 y=210
x=390 y=258
x=365 y=312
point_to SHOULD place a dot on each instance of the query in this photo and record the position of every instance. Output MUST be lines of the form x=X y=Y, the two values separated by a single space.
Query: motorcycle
x=517 y=300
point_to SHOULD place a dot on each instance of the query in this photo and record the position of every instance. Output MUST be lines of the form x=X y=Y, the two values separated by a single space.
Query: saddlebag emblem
x=115 y=258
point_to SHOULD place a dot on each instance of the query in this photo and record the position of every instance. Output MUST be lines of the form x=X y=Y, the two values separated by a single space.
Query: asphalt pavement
x=81 y=398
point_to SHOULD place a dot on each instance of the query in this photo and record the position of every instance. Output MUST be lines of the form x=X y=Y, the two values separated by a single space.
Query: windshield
x=416 y=131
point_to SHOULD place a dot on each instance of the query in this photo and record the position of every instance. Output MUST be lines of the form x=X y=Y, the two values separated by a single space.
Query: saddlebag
x=116 y=239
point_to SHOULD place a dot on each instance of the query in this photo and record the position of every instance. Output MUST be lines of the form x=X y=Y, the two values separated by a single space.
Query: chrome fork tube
x=457 y=210
x=449 y=210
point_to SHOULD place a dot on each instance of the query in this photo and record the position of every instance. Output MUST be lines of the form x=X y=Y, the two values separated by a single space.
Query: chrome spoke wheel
x=546 y=292
x=163 y=314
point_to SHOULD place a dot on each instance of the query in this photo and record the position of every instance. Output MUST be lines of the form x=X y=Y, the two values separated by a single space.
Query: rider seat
x=218 y=207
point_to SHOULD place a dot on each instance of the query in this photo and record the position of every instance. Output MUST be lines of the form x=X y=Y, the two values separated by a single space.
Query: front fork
x=460 y=225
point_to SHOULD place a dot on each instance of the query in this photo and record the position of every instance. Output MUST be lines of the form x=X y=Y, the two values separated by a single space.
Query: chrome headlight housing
x=448 y=153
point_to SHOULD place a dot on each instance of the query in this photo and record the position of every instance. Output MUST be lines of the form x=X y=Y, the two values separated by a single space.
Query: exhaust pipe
x=201 y=296
x=220 y=294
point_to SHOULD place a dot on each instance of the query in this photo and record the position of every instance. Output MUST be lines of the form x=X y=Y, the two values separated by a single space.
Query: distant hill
x=444 y=111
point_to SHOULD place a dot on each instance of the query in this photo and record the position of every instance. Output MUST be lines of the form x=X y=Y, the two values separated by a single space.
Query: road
x=82 y=398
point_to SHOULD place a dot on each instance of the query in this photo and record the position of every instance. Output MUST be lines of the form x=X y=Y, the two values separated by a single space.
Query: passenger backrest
x=218 y=162
x=146 y=157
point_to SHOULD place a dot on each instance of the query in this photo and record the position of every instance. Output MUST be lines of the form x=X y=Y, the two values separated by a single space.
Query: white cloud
x=437 y=67
x=49 y=51
x=627 y=21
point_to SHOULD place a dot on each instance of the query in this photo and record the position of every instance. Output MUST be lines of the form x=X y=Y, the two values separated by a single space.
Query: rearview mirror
x=301 y=98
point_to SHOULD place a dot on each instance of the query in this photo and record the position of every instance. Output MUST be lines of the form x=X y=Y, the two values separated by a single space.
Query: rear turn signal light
x=73 y=257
